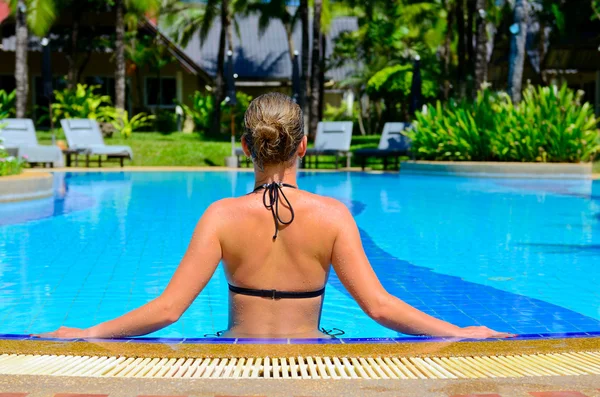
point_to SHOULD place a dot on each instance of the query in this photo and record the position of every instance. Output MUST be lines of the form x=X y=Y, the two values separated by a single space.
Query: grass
x=179 y=149
x=156 y=149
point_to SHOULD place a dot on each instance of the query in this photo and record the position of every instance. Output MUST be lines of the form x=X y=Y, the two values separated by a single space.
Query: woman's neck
x=275 y=173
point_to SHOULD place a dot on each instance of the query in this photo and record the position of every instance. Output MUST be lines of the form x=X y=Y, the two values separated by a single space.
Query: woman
x=277 y=245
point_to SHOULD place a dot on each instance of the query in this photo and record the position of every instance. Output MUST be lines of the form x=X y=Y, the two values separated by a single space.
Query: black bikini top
x=274 y=294
x=273 y=191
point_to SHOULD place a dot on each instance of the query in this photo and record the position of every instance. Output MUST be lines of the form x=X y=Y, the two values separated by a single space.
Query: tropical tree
x=517 y=50
x=303 y=11
x=481 y=57
x=31 y=15
x=134 y=10
x=315 y=69
x=188 y=19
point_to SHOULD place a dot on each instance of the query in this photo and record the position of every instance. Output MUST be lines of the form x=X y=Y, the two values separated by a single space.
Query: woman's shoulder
x=332 y=207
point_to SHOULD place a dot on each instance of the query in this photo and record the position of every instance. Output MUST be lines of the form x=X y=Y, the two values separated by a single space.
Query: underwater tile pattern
x=515 y=256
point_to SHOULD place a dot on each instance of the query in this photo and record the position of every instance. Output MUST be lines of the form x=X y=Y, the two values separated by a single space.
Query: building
x=261 y=61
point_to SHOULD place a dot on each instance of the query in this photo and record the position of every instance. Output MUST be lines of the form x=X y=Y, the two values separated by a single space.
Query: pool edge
x=406 y=349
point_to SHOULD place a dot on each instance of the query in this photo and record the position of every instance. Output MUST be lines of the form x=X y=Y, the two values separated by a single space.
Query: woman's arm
x=354 y=270
x=195 y=270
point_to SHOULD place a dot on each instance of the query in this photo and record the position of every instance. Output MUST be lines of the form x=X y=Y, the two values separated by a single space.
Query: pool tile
x=14 y=337
x=368 y=340
x=211 y=341
x=557 y=394
x=262 y=341
x=315 y=341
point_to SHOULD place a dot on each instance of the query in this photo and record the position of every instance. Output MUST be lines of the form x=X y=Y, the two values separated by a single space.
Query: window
x=7 y=83
x=106 y=85
x=161 y=92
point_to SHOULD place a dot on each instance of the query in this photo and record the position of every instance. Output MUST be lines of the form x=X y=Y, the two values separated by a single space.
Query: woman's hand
x=65 y=333
x=481 y=333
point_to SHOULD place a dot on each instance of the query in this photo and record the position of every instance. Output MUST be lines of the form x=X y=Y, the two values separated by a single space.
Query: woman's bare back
x=298 y=260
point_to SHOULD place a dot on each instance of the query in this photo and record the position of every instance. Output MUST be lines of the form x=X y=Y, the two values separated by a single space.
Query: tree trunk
x=305 y=61
x=322 y=76
x=72 y=56
x=219 y=93
x=482 y=45
x=470 y=39
x=461 y=48
x=448 y=48
x=315 y=69
x=517 y=51
x=120 y=58
x=21 y=67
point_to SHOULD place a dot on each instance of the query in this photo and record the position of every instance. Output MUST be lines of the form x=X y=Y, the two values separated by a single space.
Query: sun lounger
x=239 y=153
x=18 y=135
x=333 y=139
x=84 y=136
x=393 y=144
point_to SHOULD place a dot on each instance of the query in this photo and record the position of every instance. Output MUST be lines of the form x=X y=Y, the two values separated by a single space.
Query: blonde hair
x=274 y=129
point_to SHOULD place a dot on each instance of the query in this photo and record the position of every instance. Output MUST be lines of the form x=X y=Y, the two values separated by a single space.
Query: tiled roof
x=263 y=57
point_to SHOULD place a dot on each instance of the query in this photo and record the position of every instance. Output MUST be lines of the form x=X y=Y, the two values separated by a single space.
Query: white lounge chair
x=18 y=135
x=84 y=136
x=333 y=138
x=393 y=144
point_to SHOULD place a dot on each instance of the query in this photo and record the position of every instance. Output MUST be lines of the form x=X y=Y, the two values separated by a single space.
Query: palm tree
x=315 y=70
x=21 y=67
x=37 y=16
x=136 y=9
x=482 y=45
x=459 y=9
x=188 y=19
x=517 y=50
x=303 y=11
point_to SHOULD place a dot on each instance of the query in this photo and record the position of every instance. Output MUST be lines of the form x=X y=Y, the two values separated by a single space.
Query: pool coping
x=26 y=186
x=490 y=169
x=363 y=347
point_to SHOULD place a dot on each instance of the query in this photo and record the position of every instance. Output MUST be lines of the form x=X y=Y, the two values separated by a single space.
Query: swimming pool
x=516 y=255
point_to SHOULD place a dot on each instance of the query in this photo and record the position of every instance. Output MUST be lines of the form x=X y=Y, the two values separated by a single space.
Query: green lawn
x=179 y=149
x=156 y=149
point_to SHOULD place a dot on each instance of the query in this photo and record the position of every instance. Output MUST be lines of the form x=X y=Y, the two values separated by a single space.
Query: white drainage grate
x=583 y=363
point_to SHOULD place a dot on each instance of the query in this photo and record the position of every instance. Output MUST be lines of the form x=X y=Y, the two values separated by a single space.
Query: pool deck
x=46 y=386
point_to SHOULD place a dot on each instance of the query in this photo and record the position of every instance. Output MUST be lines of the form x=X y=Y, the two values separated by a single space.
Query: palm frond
x=41 y=14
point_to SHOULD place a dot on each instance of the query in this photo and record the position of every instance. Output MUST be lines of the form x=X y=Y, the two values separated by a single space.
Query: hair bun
x=266 y=133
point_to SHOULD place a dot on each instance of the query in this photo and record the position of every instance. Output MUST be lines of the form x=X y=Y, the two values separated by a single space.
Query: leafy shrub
x=165 y=120
x=550 y=125
x=8 y=104
x=9 y=165
x=126 y=126
x=202 y=107
x=82 y=102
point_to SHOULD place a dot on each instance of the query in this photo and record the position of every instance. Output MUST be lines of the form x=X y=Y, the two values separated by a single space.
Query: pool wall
x=26 y=186
x=499 y=170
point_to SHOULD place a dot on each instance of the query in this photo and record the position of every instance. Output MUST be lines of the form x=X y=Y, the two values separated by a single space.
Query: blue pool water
x=520 y=256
